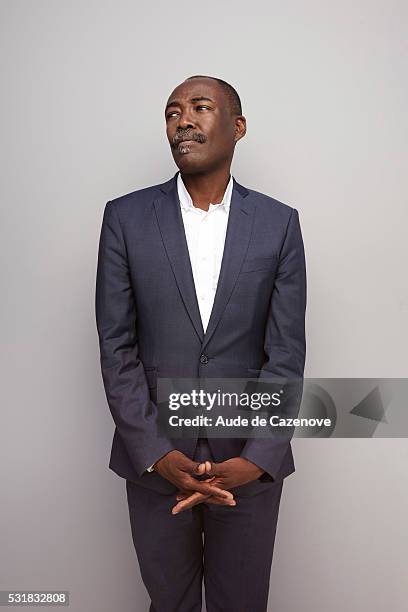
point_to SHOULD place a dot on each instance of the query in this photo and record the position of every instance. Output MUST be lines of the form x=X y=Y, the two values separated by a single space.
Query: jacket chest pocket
x=256 y=264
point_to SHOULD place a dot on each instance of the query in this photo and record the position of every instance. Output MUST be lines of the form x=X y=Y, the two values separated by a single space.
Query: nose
x=185 y=120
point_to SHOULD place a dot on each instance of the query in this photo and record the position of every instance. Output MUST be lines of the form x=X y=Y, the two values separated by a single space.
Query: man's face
x=201 y=129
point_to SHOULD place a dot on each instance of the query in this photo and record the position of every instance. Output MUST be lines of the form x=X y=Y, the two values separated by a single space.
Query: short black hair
x=232 y=94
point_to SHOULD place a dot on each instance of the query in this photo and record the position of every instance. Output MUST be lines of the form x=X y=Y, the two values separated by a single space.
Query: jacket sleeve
x=127 y=392
x=284 y=345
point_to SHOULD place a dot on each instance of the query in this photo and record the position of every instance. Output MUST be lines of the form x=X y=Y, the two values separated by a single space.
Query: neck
x=208 y=188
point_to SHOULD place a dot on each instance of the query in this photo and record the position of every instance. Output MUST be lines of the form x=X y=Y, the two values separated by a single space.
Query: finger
x=191 y=501
x=205 y=487
x=208 y=467
x=220 y=502
x=210 y=498
x=183 y=494
x=209 y=489
x=188 y=502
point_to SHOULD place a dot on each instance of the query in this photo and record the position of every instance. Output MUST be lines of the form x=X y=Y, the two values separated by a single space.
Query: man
x=199 y=277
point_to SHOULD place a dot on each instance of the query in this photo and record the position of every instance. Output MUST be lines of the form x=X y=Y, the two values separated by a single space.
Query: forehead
x=197 y=88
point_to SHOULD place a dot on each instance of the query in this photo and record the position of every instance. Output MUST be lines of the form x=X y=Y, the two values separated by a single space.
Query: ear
x=240 y=127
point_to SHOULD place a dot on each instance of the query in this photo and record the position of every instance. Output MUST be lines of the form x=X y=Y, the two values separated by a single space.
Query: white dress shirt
x=205 y=233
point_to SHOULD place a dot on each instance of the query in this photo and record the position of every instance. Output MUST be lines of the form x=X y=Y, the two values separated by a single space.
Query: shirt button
x=203 y=358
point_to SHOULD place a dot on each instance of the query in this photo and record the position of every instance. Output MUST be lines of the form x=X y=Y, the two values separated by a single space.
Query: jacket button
x=203 y=358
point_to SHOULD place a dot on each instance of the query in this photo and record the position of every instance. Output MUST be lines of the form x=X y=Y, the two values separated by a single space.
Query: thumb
x=208 y=467
x=199 y=469
x=211 y=468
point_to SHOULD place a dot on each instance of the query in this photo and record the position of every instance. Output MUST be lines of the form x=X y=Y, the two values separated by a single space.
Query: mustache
x=187 y=135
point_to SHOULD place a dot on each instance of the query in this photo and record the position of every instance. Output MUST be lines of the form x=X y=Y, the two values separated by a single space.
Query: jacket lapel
x=174 y=238
x=239 y=228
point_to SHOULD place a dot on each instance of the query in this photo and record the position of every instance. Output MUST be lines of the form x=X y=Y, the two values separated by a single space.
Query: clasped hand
x=182 y=472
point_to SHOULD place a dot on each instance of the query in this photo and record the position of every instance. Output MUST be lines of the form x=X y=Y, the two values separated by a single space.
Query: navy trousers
x=230 y=548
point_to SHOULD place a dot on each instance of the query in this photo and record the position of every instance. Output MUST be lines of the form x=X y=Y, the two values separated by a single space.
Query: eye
x=202 y=106
x=170 y=115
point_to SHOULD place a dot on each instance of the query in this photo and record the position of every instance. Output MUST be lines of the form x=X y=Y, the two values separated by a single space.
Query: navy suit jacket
x=149 y=323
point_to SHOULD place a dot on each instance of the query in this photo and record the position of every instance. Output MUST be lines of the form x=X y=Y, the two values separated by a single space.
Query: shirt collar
x=186 y=202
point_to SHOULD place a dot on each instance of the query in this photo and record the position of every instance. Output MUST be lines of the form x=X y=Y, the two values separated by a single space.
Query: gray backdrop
x=84 y=83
